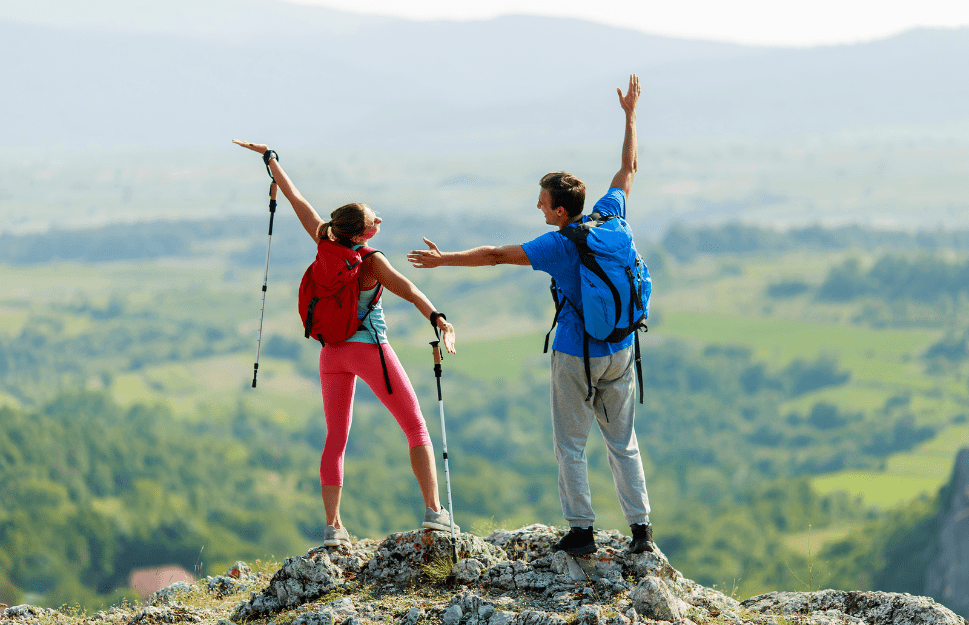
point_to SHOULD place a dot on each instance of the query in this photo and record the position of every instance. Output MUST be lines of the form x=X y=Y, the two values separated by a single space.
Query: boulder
x=657 y=599
x=875 y=608
x=301 y=579
x=401 y=558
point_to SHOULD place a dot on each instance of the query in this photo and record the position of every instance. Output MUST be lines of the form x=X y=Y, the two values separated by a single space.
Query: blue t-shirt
x=557 y=256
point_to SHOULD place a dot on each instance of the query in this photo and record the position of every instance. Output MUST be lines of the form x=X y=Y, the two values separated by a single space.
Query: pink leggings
x=340 y=365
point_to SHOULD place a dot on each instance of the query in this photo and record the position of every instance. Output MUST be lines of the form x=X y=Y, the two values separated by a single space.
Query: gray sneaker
x=336 y=537
x=439 y=520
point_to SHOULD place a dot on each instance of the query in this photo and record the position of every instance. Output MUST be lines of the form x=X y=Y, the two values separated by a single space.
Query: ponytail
x=346 y=222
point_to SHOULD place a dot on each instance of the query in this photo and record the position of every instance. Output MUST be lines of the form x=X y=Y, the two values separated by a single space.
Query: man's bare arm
x=476 y=257
x=630 y=147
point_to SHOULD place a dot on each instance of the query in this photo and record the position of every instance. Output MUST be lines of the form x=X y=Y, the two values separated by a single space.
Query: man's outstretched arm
x=630 y=148
x=477 y=257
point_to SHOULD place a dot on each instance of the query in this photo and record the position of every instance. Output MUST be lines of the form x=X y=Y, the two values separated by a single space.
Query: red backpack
x=329 y=293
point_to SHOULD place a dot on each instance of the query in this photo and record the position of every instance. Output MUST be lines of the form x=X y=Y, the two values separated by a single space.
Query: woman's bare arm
x=304 y=211
x=399 y=285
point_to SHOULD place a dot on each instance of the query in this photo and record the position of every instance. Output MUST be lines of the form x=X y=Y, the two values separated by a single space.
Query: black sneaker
x=642 y=538
x=578 y=542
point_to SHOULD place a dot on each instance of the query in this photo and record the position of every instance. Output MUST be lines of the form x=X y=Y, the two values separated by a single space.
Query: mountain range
x=183 y=74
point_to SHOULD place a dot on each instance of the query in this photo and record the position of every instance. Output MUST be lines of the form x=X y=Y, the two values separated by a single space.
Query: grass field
x=883 y=364
x=878 y=355
x=810 y=541
x=194 y=389
x=880 y=490
x=504 y=358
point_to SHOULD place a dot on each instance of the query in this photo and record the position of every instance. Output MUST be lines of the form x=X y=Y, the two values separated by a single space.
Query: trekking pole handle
x=436 y=346
x=273 y=188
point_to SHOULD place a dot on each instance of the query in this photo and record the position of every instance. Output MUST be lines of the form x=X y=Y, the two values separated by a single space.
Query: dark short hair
x=346 y=222
x=565 y=190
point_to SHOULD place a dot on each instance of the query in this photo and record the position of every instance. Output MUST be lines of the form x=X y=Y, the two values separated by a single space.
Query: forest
x=131 y=436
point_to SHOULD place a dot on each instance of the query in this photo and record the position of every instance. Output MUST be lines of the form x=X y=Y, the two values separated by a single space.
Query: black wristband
x=434 y=316
x=268 y=154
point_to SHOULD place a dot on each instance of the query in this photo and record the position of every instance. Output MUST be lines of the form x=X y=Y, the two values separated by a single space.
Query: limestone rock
x=401 y=557
x=301 y=579
x=468 y=571
x=452 y=616
x=588 y=615
x=510 y=578
x=655 y=598
x=168 y=594
x=324 y=617
x=527 y=543
x=468 y=601
x=713 y=601
x=537 y=617
x=239 y=569
x=178 y=613
x=503 y=617
x=883 y=608
x=641 y=565
x=26 y=612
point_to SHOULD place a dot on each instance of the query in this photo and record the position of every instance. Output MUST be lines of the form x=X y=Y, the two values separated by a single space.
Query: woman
x=341 y=363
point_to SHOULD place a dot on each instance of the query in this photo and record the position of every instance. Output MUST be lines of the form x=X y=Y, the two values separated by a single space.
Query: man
x=561 y=200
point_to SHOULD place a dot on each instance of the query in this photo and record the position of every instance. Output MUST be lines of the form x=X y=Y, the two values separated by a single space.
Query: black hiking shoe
x=642 y=538
x=578 y=542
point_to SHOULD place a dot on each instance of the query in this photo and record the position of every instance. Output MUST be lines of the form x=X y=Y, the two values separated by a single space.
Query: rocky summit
x=512 y=577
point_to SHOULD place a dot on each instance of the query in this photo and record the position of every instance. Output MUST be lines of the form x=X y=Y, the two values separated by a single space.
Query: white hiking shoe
x=439 y=520
x=336 y=537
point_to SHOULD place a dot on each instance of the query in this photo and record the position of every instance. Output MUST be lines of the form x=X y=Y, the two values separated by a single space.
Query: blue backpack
x=614 y=283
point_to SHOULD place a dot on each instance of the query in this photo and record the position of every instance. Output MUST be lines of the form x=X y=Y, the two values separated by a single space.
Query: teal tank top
x=374 y=326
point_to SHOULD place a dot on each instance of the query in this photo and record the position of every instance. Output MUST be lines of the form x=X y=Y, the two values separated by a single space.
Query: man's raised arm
x=630 y=148
x=476 y=257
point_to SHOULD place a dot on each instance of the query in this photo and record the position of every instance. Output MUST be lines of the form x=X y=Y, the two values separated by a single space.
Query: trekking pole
x=265 y=280
x=435 y=345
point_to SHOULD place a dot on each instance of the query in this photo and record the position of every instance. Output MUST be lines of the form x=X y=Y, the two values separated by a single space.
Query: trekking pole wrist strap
x=266 y=157
x=434 y=316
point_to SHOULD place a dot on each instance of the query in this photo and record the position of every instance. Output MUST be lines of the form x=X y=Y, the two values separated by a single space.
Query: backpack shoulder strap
x=365 y=253
x=577 y=234
x=559 y=303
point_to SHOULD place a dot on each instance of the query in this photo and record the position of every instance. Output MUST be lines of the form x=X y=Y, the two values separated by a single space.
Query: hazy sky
x=770 y=22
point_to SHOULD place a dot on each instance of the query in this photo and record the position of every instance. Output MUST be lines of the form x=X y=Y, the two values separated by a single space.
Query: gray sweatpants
x=613 y=407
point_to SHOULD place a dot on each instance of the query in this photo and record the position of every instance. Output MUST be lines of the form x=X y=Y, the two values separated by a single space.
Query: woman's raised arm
x=304 y=211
